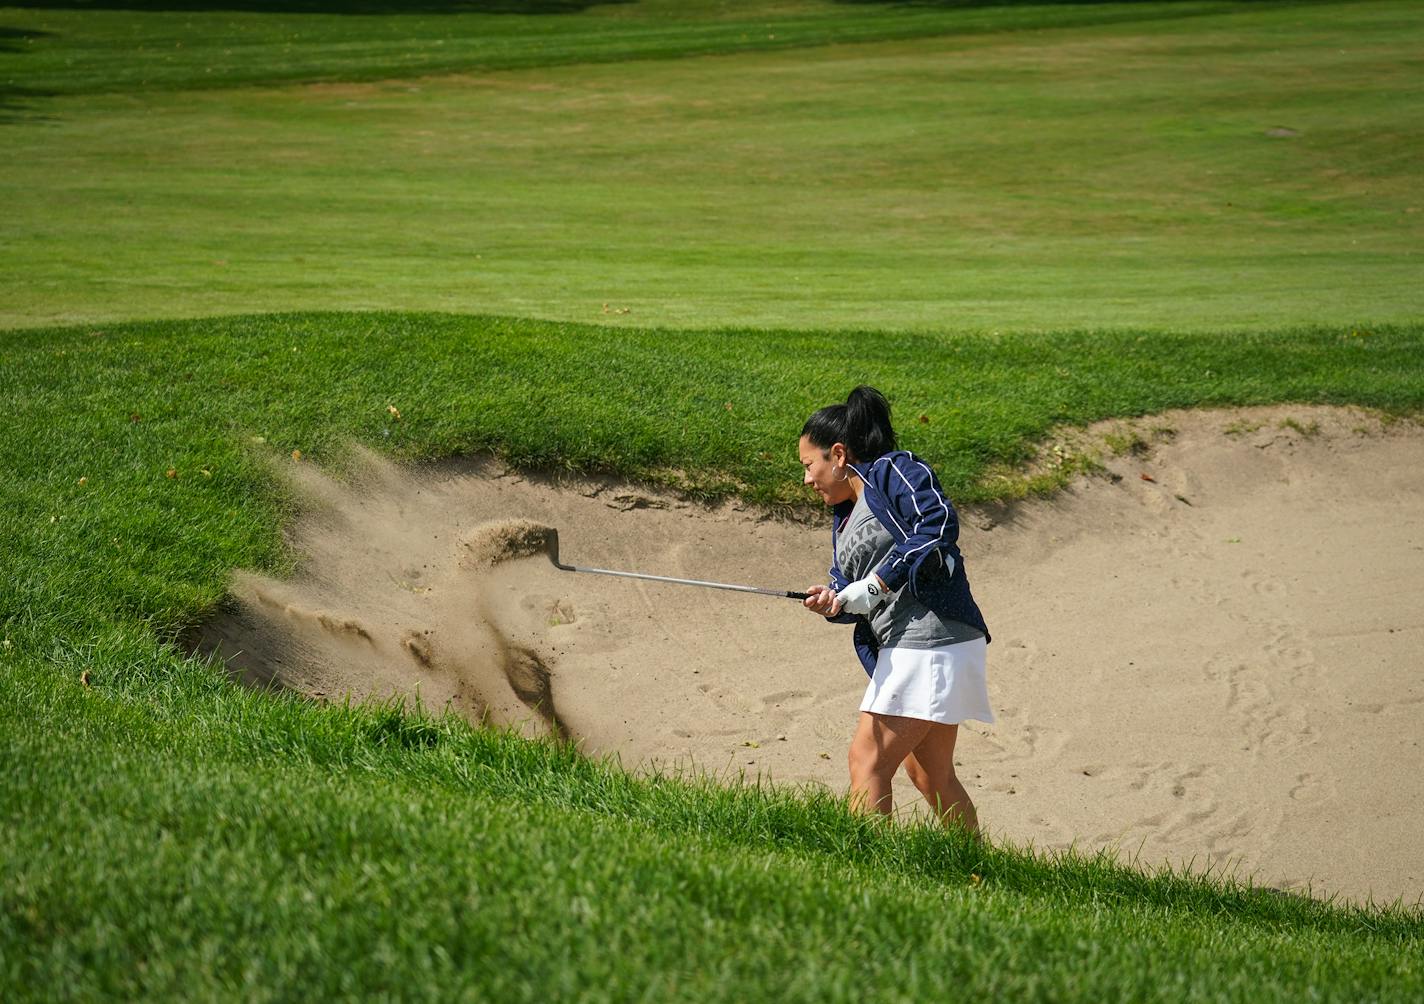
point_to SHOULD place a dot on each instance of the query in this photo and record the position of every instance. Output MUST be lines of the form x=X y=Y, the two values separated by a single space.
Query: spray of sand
x=399 y=593
x=506 y=539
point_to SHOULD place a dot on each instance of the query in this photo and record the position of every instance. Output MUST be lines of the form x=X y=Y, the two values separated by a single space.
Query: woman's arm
x=924 y=516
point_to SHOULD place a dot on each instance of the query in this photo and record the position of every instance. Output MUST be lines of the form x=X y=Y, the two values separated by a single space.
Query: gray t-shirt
x=901 y=621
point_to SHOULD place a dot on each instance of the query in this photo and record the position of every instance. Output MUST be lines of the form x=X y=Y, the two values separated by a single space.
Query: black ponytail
x=868 y=431
x=862 y=424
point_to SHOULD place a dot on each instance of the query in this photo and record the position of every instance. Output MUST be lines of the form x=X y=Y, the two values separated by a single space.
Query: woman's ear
x=839 y=454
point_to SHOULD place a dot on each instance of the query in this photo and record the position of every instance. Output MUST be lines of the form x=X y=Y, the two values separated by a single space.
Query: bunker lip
x=1170 y=671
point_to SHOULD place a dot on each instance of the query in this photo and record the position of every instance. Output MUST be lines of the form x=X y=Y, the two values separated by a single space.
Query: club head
x=553 y=545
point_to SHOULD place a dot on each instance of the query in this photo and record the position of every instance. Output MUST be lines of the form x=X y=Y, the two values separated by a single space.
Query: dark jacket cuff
x=893 y=573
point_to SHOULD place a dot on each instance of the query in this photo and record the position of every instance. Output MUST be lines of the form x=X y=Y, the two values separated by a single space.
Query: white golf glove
x=862 y=596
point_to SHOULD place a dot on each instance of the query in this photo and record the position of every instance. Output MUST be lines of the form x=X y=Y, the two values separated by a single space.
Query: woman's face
x=821 y=466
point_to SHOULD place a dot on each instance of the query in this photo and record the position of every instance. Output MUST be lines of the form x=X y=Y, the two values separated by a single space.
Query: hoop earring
x=844 y=476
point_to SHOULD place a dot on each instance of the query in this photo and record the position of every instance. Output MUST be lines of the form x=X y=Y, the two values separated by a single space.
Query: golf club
x=553 y=547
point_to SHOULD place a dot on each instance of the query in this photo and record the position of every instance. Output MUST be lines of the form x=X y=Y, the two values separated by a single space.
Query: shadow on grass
x=971 y=4
x=328 y=7
x=15 y=39
x=16 y=103
x=951 y=4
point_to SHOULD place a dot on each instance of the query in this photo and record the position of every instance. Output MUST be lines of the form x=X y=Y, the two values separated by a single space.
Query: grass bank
x=133 y=476
x=169 y=836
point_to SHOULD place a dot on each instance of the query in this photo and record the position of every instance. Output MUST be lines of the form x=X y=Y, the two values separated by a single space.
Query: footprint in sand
x=1312 y=789
x=703 y=733
x=1265 y=585
x=1196 y=803
x=787 y=700
x=1029 y=744
x=730 y=700
x=1288 y=649
x=1225 y=838
x=1268 y=722
x=1146 y=774
x=1285 y=729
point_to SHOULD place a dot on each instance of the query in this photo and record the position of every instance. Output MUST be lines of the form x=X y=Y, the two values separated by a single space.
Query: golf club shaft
x=552 y=543
x=688 y=582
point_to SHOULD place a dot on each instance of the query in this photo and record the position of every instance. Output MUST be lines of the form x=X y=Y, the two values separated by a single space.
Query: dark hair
x=862 y=424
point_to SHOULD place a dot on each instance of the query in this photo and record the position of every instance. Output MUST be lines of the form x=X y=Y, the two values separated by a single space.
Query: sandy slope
x=1223 y=664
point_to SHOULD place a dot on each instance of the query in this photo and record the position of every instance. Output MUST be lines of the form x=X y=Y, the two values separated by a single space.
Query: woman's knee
x=866 y=759
x=916 y=773
x=935 y=754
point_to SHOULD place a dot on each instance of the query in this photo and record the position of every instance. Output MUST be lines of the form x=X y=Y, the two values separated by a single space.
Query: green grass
x=1076 y=176
x=214 y=842
x=1009 y=217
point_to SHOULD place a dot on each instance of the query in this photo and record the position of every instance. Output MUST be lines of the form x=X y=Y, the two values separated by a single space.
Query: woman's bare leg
x=930 y=766
x=881 y=743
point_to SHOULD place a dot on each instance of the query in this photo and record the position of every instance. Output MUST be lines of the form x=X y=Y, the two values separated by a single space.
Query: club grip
x=798 y=596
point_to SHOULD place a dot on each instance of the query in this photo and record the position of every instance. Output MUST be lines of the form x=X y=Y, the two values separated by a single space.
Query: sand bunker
x=1212 y=653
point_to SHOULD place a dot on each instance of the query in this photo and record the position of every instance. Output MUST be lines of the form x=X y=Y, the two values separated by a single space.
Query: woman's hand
x=822 y=600
x=863 y=596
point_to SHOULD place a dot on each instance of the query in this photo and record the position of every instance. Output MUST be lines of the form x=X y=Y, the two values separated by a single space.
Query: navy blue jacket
x=905 y=496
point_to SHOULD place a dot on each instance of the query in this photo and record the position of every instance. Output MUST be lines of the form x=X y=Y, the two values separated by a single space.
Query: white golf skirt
x=945 y=685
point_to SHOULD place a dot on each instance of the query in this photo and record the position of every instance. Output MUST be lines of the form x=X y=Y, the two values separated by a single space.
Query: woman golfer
x=897 y=574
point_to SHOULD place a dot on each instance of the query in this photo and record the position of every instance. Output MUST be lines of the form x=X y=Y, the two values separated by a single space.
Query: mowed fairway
x=1245 y=166
x=641 y=240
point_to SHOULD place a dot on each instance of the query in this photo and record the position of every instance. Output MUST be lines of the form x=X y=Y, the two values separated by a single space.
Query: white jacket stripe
x=942 y=505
